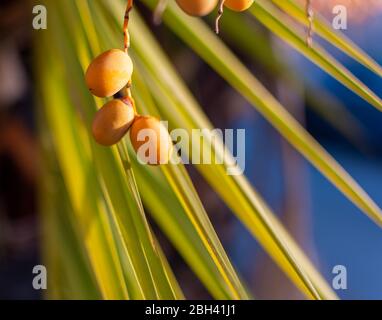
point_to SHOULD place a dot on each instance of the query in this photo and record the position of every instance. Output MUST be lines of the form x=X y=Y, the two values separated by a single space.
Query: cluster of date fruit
x=204 y=7
x=110 y=73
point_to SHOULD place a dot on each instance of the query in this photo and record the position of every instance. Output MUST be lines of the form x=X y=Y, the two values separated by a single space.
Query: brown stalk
x=310 y=16
x=220 y=14
x=126 y=25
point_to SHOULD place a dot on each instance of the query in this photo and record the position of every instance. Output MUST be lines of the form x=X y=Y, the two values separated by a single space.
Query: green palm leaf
x=110 y=244
x=200 y=38
x=326 y=31
x=267 y=14
x=251 y=209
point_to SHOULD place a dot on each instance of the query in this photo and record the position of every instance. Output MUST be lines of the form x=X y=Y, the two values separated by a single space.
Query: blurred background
x=325 y=224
